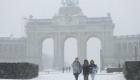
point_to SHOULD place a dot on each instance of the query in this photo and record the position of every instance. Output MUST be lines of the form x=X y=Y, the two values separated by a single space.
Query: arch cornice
x=40 y=37
x=66 y=35
x=98 y=35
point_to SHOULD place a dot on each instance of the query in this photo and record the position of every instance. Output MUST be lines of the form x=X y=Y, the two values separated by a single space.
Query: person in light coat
x=77 y=68
x=93 y=69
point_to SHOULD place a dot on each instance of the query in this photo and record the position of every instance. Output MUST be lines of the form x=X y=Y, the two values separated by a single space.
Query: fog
x=125 y=14
x=70 y=51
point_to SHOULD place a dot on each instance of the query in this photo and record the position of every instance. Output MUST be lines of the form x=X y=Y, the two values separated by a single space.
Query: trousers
x=86 y=76
x=92 y=76
x=76 y=75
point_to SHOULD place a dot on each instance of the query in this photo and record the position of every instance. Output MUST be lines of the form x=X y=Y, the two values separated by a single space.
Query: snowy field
x=69 y=76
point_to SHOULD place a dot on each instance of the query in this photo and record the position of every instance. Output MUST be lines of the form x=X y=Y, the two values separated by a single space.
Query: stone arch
x=59 y=39
x=98 y=55
x=47 y=53
x=70 y=35
x=36 y=42
x=44 y=36
x=70 y=50
x=100 y=37
x=96 y=35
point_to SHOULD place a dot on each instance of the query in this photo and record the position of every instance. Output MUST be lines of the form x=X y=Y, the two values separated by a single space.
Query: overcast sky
x=125 y=13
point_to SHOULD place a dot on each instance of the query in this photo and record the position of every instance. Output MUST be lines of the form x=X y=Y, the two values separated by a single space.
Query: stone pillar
x=40 y=55
x=138 y=50
x=58 y=52
x=34 y=51
x=82 y=53
x=101 y=59
x=127 y=50
x=109 y=58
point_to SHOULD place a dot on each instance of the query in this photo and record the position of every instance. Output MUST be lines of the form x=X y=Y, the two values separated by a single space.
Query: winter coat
x=85 y=70
x=93 y=68
x=77 y=68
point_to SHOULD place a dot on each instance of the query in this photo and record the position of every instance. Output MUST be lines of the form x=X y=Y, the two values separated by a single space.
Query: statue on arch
x=70 y=2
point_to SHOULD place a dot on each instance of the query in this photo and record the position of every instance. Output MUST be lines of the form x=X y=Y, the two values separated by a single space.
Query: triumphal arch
x=69 y=22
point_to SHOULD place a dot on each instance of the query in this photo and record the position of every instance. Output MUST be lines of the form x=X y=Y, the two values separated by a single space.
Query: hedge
x=18 y=70
x=132 y=70
x=110 y=70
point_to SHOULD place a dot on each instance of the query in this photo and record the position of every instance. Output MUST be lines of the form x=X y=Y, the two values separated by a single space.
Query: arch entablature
x=66 y=35
x=89 y=35
x=46 y=36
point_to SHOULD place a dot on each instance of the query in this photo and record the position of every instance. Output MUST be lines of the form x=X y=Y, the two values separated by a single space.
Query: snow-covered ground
x=69 y=76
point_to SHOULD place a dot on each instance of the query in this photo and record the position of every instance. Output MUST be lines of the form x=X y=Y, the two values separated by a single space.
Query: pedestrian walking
x=77 y=68
x=63 y=69
x=69 y=68
x=86 y=69
x=93 y=68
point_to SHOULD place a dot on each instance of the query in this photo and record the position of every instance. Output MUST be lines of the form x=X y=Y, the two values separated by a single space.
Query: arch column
x=82 y=53
x=34 y=50
x=109 y=58
x=58 y=52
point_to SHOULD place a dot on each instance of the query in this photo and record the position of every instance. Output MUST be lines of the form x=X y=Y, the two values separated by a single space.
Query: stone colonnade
x=34 y=46
x=127 y=46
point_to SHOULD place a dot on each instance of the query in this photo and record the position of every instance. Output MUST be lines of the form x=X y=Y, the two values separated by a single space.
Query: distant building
x=127 y=48
x=12 y=49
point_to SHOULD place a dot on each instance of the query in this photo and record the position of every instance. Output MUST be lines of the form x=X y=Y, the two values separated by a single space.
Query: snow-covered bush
x=132 y=70
x=18 y=70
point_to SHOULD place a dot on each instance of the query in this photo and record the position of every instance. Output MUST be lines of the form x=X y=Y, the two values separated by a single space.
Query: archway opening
x=94 y=51
x=47 y=54
x=70 y=51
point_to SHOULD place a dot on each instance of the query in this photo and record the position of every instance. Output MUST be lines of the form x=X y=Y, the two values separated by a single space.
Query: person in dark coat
x=86 y=69
x=77 y=68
